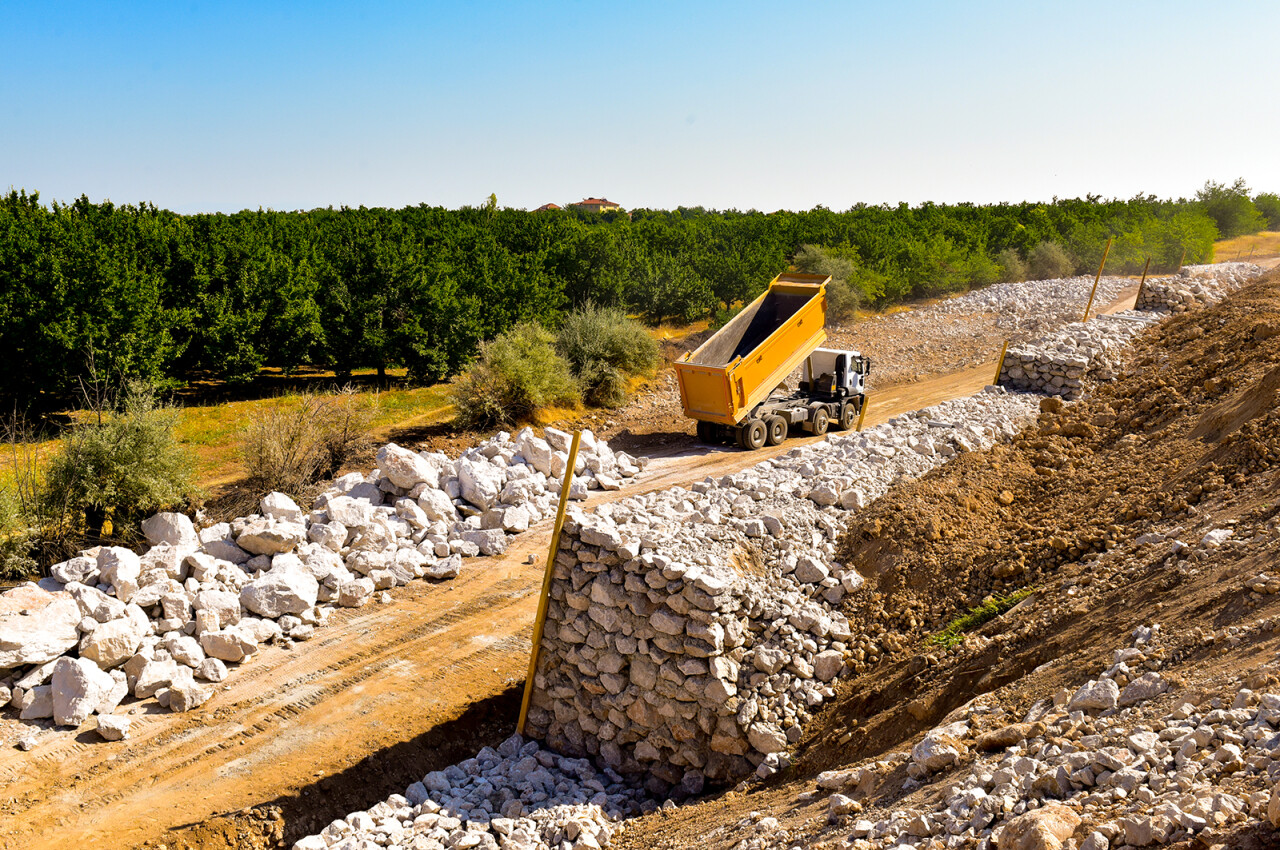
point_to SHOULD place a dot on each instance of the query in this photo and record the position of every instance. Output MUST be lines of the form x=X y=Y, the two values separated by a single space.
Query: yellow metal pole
x=1000 y=365
x=544 y=599
x=1137 y=302
x=862 y=414
x=1097 y=278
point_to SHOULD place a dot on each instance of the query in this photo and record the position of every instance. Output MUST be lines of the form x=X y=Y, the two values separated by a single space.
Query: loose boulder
x=284 y=592
x=39 y=634
x=406 y=468
x=79 y=686
x=172 y=529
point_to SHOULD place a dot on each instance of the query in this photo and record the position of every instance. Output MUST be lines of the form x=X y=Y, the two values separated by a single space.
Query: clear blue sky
x=224 y=106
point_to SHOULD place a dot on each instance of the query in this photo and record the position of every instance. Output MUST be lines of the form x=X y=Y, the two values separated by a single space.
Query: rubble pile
x=690 y=633
x=110 y=622
x=1195 y=287
x=517 y=797
x=1101 y=767
x=1034 y=305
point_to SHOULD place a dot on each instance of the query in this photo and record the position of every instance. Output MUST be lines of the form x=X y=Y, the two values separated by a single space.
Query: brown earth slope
x=1187 y=441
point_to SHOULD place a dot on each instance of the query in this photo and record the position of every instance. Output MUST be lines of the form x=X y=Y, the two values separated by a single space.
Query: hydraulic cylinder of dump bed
x=747 y=359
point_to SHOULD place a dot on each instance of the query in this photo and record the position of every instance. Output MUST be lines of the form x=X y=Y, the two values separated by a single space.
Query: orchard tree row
x=140 y=292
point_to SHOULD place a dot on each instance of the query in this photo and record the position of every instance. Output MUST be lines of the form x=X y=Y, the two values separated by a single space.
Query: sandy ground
x=296 y=738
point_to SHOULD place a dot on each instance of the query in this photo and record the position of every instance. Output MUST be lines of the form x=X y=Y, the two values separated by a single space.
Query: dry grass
x=213 y=433
x=1256 y=246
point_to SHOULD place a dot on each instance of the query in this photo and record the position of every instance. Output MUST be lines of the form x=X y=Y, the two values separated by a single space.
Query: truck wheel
x=820 y=421
x=777 y=429
x=708 y=432
x=753 y=434
x=848 y=417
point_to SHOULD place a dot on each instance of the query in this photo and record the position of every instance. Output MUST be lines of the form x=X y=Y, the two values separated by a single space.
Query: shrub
x=606 y=334
x=301 y=440
x=602 y=347
x=1050 y=260
x=844 y=296
x=843 y=301
x=516 y=374
x=1012 y=266
x=123 y=467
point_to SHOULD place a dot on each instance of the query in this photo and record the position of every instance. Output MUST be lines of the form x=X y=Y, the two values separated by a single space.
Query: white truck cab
x=838 y=373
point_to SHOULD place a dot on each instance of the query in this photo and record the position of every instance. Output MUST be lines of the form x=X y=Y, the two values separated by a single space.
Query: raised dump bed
x=745 y=361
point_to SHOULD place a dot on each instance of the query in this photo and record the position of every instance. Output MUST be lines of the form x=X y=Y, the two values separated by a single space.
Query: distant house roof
x=546 y=207
x=597 y=203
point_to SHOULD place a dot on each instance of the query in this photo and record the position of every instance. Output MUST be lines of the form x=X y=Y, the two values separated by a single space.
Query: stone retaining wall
x=691 y=633
x=1195 y=287
x=1062 y=363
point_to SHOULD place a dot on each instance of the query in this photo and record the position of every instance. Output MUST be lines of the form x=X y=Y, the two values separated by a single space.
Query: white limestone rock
x=406 y=468
x=115 y=642
x=280 y=507
x=229 y=644
x=171 y=529
x=80 y=568
x=268 y=537
x=480 y=482
x=114 y=727
x=187 y=695
x=1099 y=695
x=79 y=686
x=355 y=593
x=45 y=631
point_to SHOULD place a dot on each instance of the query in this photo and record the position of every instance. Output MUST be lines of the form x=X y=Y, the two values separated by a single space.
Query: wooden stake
x=1097 y=277
x=544 y=598
x=1137 y=302
x=862 y=414
x=1000 y=365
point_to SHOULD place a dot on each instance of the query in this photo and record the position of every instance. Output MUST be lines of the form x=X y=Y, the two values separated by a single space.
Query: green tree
x=1268 y=204
x=1230 y=208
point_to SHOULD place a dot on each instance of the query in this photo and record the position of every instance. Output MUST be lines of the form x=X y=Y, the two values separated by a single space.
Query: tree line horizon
x=139 y=292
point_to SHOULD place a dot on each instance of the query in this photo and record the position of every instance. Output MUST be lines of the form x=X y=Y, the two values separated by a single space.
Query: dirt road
x=380 y=696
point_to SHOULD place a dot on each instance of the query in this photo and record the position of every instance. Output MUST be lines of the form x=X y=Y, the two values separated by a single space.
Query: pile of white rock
x=1093 y=764
x=1034 y=305
x=1195 y=287
x=690 y=633
x=166 y=623
x=517 y=797
x=1062 y=363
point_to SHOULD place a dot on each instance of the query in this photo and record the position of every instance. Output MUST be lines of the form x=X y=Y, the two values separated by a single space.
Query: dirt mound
x=1100 y=516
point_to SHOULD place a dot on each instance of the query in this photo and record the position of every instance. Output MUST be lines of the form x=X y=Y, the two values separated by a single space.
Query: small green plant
x=516 y=374
x=975 y=617
x=303 y=439
x=118 y=468
x=1049 y=260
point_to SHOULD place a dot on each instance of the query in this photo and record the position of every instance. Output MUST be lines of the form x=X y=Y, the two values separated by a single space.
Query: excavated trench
x=286 y=819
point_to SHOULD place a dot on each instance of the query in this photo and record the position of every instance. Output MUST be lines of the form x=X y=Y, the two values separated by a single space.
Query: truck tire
x=753 y=434
x=820 y=421
x=777 y=429
x=708 y=432
x=848 y=417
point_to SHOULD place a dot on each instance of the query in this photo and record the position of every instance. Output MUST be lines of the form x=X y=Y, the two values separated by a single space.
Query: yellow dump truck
x=733 y=383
